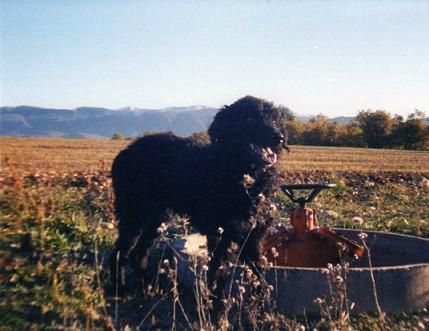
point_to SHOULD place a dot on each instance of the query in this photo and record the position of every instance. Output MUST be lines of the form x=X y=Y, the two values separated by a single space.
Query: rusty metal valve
x=306 y=244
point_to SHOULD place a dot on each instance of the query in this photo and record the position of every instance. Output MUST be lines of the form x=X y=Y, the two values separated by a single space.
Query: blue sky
x=330 y=57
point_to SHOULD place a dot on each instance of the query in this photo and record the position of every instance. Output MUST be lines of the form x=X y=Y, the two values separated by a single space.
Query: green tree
x=376 y=127
x=286 y=113
x=295 y=130
x=413 y=133
x=320 y=131
x=351 y=135
x=117 y=136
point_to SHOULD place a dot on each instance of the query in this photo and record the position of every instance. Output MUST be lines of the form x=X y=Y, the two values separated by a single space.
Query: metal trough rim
x=374 y=268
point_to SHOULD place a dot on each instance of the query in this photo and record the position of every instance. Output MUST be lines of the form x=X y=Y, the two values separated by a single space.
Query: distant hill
x=87 y=122
x=338 y=119
x=93 y=122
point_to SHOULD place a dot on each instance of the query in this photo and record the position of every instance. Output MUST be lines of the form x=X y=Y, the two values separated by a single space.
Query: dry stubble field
x=57 y=228
x=50 y=154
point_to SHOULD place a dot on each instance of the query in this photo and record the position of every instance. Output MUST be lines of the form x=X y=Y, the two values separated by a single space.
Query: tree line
x=374 y=129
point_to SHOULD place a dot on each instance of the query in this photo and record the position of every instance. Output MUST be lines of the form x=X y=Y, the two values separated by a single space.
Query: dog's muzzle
x=266 y=154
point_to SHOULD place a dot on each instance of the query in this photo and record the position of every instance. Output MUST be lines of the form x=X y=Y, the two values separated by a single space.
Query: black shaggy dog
x=204 y=181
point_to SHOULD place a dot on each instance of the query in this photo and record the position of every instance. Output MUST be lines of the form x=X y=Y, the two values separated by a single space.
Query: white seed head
x=248 y=180
x=357 y=220
x=332 y=214
x=162 y=228
x=362 y=235
x=319 y=301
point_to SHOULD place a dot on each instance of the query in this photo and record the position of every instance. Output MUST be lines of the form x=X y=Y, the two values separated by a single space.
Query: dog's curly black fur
x=204 y=181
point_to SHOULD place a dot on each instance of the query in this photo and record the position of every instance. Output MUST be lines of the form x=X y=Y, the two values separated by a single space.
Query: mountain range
x=90 y=122
x=93 y=122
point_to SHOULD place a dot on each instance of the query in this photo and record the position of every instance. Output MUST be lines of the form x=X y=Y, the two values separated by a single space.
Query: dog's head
x=252 y=126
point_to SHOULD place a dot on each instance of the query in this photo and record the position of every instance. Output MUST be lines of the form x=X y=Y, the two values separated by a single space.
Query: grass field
x=57 y=229
x=47 y=154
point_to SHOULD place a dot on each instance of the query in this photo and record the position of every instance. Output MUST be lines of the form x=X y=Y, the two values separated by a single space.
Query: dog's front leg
x=250 y=245
x=217 y=247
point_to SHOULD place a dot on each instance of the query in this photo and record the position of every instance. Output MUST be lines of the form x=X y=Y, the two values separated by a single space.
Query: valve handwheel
x=302 y=201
